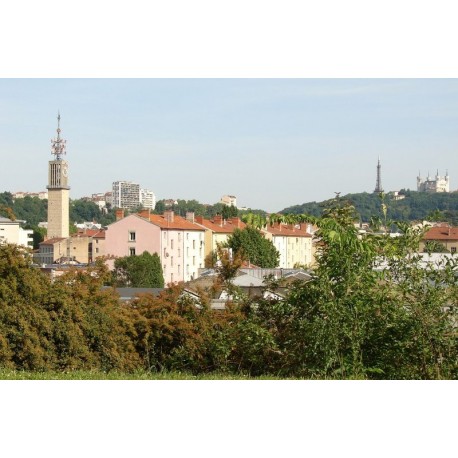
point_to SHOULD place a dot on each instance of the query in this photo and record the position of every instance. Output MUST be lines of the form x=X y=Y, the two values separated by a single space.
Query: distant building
x=130 y=196
x=12 y=232
x=147 y=199
x=126 y=195
x=443 y=234
x=231 y=201
x=20 y=195
x=439 y=184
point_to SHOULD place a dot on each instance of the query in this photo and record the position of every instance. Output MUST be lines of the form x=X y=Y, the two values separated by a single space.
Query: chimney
x=144 y=213
x=190 y=217
x=218 y=219
x=200 y=219
x=236 y=221
x=119 y=214
x=169 y=216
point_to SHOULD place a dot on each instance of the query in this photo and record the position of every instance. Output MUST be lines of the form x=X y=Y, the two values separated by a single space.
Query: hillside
x=414 y=207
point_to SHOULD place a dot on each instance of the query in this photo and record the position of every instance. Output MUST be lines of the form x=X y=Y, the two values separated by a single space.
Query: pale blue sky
x=271 y=142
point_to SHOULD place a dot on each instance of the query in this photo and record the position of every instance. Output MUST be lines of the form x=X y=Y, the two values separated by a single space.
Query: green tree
x=254 y=247
x=142 y=271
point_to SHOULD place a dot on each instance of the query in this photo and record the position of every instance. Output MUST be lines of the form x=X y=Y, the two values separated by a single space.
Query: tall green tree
x=254 y=247
x=142 y=271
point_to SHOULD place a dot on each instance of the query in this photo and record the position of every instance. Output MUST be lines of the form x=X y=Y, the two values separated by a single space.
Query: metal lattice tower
x=378 y=185
x=58 y=145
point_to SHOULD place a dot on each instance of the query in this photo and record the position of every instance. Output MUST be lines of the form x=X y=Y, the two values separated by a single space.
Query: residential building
x=445 y=235
x=179 y=242
x=12 y=232
x=147 y=199
x=439 y=184
x=126 y=195
x=293 y=242
x=76 y=249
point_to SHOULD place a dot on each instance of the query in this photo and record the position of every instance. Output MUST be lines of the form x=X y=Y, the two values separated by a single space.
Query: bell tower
x=58 y=189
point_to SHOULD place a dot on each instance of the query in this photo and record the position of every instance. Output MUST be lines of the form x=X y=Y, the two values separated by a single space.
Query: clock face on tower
x=65 y=171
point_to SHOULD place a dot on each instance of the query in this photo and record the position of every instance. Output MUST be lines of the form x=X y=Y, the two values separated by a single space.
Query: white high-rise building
x=147 y=199
x=126 y=195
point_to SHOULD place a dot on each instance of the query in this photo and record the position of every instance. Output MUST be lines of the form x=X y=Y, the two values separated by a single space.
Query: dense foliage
x=254 y=247
x=371 y=311
x=416 y=206
x=142 y=271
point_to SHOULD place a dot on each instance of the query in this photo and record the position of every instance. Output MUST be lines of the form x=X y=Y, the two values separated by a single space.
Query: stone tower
x=58 y=189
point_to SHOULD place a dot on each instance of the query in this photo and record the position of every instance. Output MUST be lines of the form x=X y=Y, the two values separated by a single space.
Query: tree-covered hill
x=414 y=206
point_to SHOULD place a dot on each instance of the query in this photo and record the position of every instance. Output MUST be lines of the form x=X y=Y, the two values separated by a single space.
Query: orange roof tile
x=225 y=227
x=442 y=233
x=288 y=230
x=177 y=223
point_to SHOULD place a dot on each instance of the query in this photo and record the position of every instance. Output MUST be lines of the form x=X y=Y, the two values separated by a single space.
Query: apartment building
x=12 y=232
x=179 y=242
x=443 y=234
x=126 y=194
x=293 y=242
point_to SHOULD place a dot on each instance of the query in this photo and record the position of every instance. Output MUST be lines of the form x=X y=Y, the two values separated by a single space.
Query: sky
x=271 y=142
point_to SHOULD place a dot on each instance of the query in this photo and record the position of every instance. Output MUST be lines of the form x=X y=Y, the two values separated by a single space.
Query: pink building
x=179 y=242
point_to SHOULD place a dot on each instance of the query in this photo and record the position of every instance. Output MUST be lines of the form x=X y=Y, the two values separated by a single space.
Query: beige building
x=445 y=235
x=293 y=242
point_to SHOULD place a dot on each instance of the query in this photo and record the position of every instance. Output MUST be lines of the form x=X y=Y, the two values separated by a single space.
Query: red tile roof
x=442 y=233
x=289 y=230
x=223 y=226
x=177 y=223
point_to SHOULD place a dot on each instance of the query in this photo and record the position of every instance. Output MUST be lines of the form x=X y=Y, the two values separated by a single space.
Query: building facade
x=126 y=194
x=12 y=232
x=179 y=242
x=293 y=242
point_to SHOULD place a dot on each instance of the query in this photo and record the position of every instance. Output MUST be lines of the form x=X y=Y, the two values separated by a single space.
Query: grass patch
x=8 y=374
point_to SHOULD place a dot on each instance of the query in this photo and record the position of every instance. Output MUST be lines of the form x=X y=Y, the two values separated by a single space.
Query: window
x=171 y=244
x=187 y=235
x=165 y=253
x=96 y=250
x=179 y=269
x=193 y=260
x=453 y=249
x=187 y=251
x=179 y=252
x=179 y=237
x=171 y=261
x=131 y=236
x=171 y=278
x=193 y=244
x=132 y=251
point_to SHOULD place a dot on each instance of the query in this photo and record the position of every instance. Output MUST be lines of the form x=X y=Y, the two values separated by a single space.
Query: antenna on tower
x=58 y=145
x=378 y=185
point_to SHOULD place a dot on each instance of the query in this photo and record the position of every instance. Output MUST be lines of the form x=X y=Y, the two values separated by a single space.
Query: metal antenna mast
x=58 y=145
x=378 y=185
